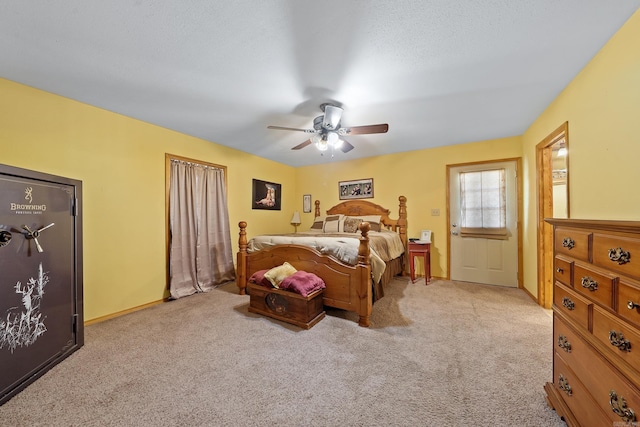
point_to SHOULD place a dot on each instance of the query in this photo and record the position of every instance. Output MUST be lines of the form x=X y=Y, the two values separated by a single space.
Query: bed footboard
x=347 y=287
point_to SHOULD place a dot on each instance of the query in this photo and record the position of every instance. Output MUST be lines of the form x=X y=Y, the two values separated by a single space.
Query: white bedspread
x=384 y=246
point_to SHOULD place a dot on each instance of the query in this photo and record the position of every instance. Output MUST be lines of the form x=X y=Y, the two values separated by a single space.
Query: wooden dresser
x=596 y=322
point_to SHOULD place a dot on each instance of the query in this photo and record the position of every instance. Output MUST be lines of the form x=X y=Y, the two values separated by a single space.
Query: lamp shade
x=295 y=220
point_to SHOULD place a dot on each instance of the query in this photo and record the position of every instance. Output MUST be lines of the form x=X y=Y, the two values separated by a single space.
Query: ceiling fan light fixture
x=333 y=139
x=320 y=142
x=327 y=139
x=322 y=145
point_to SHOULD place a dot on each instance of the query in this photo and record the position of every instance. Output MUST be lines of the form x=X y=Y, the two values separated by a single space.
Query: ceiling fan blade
x=361 y=130
x=304 y=144
x=285 y=128
x=346 y=147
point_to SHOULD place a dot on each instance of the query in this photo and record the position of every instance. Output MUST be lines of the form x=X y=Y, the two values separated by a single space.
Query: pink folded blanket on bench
x=300 y=282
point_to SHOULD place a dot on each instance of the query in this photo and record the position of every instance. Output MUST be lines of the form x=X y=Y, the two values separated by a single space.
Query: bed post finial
x=363 y=249
x=241 y=279
x=317 y=212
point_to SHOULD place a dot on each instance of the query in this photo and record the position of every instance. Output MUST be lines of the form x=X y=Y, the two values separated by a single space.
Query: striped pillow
x=332 y=224
x=318 y=223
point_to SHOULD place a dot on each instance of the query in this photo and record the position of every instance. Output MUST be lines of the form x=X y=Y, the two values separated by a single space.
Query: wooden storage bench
x=286 y=306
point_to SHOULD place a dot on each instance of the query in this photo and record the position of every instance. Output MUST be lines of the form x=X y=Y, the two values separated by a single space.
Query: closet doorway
x=552 y=178
x=199 y=247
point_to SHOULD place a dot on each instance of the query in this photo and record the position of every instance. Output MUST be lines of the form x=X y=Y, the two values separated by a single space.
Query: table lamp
x=295 y=220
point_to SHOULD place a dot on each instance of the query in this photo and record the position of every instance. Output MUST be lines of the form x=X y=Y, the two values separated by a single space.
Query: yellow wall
x=419 y=175
x=121 y=163
x=602 y=106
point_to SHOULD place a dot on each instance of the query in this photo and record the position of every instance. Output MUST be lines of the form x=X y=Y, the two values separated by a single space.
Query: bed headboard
x=363 y=207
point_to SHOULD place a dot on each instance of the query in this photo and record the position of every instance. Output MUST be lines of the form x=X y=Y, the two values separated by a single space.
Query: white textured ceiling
x=439 y=72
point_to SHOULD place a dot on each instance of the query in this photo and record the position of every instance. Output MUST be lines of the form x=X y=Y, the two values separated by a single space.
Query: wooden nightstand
x=420 y=249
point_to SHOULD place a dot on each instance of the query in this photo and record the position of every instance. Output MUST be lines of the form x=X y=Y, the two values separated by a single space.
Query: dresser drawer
x=597 y=376
x=576 y=396
x=562 y=270
x=574 y=349
x=596 y=285
x=572 y=304
x=574 y=243
x=617 y=253
x=629 y=302
x=620 y=337
x=617 y=399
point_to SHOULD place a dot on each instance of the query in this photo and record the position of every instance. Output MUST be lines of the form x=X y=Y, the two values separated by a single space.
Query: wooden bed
x=348 y=287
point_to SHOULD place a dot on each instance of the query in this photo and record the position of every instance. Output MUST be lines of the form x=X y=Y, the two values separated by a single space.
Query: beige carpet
x=447 y=354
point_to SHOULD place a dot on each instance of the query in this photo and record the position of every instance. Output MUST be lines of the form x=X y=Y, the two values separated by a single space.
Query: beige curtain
x=201 y=254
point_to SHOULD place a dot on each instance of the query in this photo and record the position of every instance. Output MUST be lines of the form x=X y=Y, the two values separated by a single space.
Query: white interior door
x=491 y=261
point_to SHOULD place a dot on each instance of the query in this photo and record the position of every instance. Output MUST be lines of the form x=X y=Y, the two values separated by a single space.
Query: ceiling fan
x=327 y=132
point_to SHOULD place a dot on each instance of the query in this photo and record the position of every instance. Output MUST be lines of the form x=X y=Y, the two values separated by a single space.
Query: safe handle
x=35 y=234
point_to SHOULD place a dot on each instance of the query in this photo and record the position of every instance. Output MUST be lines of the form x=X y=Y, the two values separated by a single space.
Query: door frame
x=544 y=199
x=518 y=161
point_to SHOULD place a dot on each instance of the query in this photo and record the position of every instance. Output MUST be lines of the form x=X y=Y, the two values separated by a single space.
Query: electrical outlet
x=435 y=212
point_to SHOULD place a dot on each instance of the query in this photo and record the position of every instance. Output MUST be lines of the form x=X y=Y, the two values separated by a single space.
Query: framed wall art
x=266 y=195
x=306 y=203
x=358 y=189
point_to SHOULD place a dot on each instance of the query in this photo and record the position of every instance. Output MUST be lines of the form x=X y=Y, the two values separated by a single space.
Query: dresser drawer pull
x=560 y=270
x=563 y=385
x=619 y=407
x=567 y=303
x=589 y=283
x=568 y=242
x=564 y=344
x=617 y=340
x=632 y=305
x=619 y=255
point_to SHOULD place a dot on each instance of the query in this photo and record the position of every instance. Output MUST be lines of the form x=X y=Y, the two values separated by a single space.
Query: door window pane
x=483 y=202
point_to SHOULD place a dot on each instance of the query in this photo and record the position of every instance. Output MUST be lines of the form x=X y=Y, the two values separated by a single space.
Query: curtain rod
x=184 y=162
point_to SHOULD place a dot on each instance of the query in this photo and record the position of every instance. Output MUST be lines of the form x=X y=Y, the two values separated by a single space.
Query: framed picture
x=266 y=195
x=358 y=189
x=425 y=236
x=306 y=203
